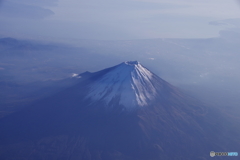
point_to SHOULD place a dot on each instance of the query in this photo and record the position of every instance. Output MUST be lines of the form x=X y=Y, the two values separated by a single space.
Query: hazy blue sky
x=116 y=19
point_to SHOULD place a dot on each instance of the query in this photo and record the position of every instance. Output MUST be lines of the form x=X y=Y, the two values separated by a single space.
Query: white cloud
x=74 y=75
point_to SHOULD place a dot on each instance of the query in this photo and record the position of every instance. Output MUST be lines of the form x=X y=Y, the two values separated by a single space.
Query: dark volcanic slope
x=72 y=125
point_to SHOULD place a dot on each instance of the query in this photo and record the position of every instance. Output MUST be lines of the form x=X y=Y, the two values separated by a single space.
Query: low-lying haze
x=114 y=20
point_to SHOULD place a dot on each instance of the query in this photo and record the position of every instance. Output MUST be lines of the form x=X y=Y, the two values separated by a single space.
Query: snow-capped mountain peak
x=129 y=84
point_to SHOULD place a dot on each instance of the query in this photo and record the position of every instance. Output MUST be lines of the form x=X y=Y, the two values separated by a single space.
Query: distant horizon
x=74 y=41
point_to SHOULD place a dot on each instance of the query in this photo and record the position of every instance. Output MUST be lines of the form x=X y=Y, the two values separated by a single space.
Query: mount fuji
x=125 y=112
x=128 y=84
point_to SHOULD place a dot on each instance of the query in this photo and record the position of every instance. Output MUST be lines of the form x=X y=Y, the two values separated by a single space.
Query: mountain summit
x=129 y=83
x=120 y=113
